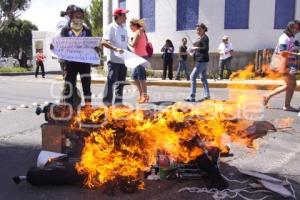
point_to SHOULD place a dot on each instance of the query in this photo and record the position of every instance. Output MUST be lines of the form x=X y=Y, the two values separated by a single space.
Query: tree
x=10 y=9
x=17 y=34
x=96 y=17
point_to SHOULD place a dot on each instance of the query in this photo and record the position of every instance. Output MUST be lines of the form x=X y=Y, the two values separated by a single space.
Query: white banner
x=78 y=49
x=132 y=60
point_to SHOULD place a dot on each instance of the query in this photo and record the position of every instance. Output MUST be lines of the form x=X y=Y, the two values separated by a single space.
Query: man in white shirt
x=225 y=50
x=115 y=39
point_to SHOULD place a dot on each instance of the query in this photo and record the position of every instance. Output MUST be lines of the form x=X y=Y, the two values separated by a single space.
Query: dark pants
x=168 y=65
x=116 y=76
x=182 y=66
x=225 y=64
x=71 y=71
x=38 y=65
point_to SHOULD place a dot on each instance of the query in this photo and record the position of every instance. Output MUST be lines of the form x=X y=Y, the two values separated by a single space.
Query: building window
x=236 y=14
x=187 y=14
x=284 y=12
x=147 y=12
x=122 y=4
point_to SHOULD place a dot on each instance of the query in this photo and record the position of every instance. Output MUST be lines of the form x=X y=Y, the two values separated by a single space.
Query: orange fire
x=266 y=72
x=125 y=142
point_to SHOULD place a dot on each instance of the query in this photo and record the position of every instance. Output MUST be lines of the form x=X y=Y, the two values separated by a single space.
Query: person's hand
x=119 y=50
x=97 y=49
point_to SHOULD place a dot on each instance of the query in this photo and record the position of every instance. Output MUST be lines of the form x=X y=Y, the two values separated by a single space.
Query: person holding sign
x=76 y=29
x=115 y=39
x=284 y=61
x=139 y=42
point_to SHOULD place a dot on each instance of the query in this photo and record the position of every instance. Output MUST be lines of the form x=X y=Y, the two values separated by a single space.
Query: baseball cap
x=120 y=11
x=225 y=37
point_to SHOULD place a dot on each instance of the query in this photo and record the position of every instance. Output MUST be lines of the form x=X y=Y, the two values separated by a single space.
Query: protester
x=182 y=60
x=40 y=57
x=167 y=56
x=288 y=65
x=225 y=50
x=139 y=42
x=22 y=58
x=115 y=39
x=200 y=49
x=77 y=29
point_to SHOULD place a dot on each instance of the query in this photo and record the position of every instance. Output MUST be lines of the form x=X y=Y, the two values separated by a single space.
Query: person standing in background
x=225 y=50
x=167 y=56
x=200 y=49
x=40 y=57
x=139 y=42
x=182 y=63
x=22 y=58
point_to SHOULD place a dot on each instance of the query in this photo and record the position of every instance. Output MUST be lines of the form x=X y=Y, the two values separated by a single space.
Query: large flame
x=125 y=141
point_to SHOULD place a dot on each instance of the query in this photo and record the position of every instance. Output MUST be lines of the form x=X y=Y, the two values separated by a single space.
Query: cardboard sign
x=132 y=60
x=78 y=49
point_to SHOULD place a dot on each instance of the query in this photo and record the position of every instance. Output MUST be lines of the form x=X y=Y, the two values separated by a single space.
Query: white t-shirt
x=118 y=37
x=285 y=43
x=61 y=24
x=224 y=50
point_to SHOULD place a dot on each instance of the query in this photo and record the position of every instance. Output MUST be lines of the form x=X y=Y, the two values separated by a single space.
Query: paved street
x=20 y=143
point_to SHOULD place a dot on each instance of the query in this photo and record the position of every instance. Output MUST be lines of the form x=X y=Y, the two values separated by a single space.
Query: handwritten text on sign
x=78 y=49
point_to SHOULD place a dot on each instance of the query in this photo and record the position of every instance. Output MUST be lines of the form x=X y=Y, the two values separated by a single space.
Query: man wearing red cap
x=115 y=39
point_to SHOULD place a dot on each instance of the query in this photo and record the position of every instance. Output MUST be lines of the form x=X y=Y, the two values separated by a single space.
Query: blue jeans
x=199 y=69
x=182 y=65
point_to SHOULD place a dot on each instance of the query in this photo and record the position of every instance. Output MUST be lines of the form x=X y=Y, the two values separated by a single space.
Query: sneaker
x=203 y=99
x=290 y=108
x=189 y=99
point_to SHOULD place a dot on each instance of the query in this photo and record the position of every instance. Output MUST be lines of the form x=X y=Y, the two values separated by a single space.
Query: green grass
x=14 y=70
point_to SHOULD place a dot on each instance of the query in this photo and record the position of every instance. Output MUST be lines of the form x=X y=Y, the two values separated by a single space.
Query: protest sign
x=78 y=49
x=132 y=60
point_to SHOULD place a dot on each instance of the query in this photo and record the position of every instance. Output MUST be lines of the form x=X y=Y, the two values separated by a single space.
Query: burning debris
x=115 y=147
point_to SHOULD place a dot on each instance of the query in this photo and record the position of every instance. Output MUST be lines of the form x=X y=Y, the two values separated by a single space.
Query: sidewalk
x=246 y=84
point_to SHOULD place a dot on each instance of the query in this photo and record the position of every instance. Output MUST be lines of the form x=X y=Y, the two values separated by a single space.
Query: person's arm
x=135 y=38
x=106 y=41
x=220 y=50
x=163 y=48
x=204 y=46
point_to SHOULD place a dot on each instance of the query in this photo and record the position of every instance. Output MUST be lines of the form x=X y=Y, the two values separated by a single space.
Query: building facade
x=250 y=24
x=42 y=40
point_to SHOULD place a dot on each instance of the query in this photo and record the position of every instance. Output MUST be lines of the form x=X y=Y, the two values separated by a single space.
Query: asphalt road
x=20 y=143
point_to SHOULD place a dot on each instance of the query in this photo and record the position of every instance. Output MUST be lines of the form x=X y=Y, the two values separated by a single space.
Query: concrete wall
x=239 y=61
x=260 y=34
x=45 y=39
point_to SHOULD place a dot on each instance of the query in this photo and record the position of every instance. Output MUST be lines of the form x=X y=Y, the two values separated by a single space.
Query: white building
x=250 y=24
x=42 y=40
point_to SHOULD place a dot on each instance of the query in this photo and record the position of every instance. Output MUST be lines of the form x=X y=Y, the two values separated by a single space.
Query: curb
x=26 y=73
x=231 y=84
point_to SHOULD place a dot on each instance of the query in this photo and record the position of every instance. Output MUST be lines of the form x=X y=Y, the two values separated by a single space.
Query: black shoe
x=178 y=79
x=43 y=76
x=203 y=99
x=189 y=99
